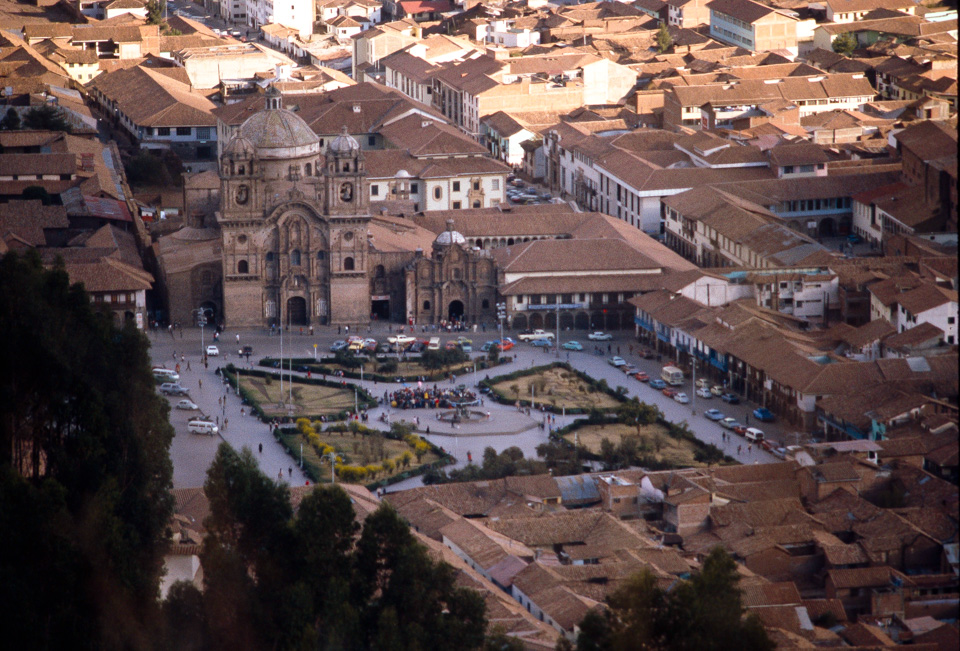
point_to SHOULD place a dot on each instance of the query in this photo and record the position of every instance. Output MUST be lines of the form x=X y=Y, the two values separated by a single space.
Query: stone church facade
x=456 y=284
x=293 y=223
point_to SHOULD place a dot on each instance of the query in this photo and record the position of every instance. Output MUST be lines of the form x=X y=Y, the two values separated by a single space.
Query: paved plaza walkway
x=506 y=426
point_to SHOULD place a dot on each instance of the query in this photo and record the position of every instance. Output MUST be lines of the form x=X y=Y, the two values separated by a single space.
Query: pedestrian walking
x=225 y=421
x=177 y=368
x=261 y=448
x=739 y=449
x=748 y=418
x=290 y=471
x=188 y=364
x=238 y=337
x=280 y=475
x=200 y=383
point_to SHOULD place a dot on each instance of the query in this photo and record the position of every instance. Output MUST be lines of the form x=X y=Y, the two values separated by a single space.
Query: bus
x=672 y=376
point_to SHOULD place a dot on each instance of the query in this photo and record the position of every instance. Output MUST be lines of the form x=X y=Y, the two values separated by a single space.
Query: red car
x=766 y=445
x=643 y=377
x=506 y=344
x=740 y=429
x=669 y=392
x=646 y=353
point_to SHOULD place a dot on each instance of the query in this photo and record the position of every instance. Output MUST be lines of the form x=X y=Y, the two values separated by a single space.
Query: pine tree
x=664 y=40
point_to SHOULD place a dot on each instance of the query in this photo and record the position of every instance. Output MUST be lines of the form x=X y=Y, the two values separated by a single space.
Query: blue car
x=714 y=414
x=658 y=384
x=541 y=343
x=572 y=345
x=763 y=414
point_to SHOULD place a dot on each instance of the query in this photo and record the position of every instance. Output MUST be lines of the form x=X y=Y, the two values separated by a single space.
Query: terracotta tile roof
x=936 y=523
x=771 y=594
x=758 y=514
x=578 y=255
x=851 y=554
x=860 y=634
x=152 y=99
x=926 y=297
x=817 y=608
x=866 y=577
x=485 y=547
x=870 y=332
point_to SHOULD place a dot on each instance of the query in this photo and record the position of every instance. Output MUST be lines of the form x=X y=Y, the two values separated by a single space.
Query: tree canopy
x=664 y=40
x=275 y=580
x=700 y=614
x=844 y=44
x=85 y=471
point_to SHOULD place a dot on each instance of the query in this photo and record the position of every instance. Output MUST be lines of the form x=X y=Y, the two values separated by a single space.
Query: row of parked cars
x=170 y=385
x=519 y=192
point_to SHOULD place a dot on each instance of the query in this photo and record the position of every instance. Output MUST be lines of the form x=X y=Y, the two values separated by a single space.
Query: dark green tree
x=37 y=192
x=147 y=169
x=85 y=470
x=704 y=613
x=11 y=120
x=664 y=40
x=155 y=10
x=47 y=117
x=845 y=44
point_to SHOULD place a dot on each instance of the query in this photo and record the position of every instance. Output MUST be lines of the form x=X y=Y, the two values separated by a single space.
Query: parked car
x=599 y=336
x=463 y=340
x=629 y=369
x=731 y=398
x=173 y=389
x=370 y=345
x=729 y=423
x=764 y=415
x=716 y=390
x=541 y=343
x=646 y=353
x=417 y=347
x=506 y=344
x=466 y=347
x=682 y=398
x=165 y=375
x=669 y=392
x=704 y=392
x=246 y=350
x=739 y=429
x=401 y=340
x=187 y=404
x=754 y=434
x=487 y=345
x=766 y=445
x=200 y=426
x=617 y=361
x=340 y=344
x=703 y=383
x=853 y=238
x=572 y=345
x=643 y=377
x=657 y=383
x=714 y=414
x=212 y=351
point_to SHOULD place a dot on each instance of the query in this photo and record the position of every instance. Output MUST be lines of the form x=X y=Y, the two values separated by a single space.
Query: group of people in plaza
x=430 y=397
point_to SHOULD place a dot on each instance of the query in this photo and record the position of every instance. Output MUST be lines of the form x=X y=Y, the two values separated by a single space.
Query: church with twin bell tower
x=293 y=223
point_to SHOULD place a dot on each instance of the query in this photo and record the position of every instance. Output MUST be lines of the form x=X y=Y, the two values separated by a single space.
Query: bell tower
x=345 y=178
x=346 y=206
x=239 y=179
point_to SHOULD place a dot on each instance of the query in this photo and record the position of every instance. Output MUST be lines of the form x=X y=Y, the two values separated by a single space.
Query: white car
x=212 y=351
x=401 y=340
x=201 y=426
x=599 y=336
x=704 y=392
x=187 y=404
x=682 y=398
x=617 y=361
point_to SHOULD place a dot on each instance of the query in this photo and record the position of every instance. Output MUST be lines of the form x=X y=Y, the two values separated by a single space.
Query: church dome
x=279 y=133
x=239 y=147
x=450 y=237
x=344 y=143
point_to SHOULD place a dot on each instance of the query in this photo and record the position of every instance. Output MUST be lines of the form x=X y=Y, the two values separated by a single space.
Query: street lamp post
x=501 y=315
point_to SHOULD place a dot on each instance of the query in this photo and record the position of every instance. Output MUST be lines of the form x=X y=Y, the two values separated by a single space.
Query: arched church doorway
x=380 y=309
x=455 y=311
x=828 y=227
x=296 y=311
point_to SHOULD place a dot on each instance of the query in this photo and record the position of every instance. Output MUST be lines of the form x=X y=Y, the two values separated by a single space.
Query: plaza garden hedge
x=290 y=438
x=323 y=366
x=366 y=401
x=704 y=452
x=618 y=394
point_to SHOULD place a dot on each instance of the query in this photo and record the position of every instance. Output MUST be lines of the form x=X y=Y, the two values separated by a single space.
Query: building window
x=321 y=255
x=476 y=185
x=243 y=267
x=426 y=305
x=456 y=205
x=379 y=271
x=456 y=186
x=163 y=131
x=476 y=204
x=414 y=188
x=371 y=141
x=437 y=192
x=183 y=131
x=269 y=256
x=295 y=258
x=203 y=133
x=495 y=184
x=374 y=190
x=485 y=304
x=348 y=264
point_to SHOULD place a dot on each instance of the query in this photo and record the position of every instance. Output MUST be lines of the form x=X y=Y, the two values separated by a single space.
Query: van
x=753 y=434
x=672 y=376
x=202 y=427
x=172 y=388
x=434 y=343
x=166 y=375
x=703 y=383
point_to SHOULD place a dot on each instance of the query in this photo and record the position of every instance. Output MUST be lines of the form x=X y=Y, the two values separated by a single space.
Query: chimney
x=356 y=108
x=86 y=162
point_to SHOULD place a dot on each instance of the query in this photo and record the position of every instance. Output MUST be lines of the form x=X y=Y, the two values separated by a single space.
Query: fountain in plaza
x=462 y=412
